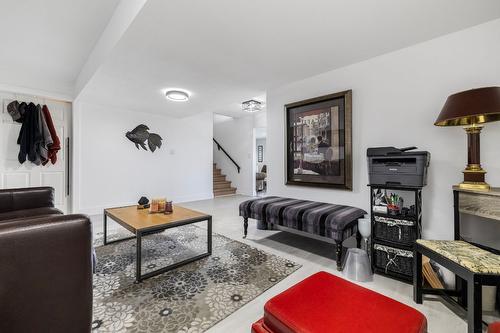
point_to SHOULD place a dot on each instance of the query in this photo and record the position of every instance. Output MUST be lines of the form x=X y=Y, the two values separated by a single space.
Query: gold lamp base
x=474 y=178
x=474 y=174
x=476 y=186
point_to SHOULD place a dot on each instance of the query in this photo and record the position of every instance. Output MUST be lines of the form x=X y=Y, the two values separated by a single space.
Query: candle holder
x=169 y=208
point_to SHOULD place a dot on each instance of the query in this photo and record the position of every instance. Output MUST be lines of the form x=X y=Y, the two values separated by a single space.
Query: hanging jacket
x=43 y=149
x=30 y=136
x=56 y=144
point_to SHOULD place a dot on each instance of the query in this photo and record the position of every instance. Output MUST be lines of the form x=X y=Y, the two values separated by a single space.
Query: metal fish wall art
x=141 y=134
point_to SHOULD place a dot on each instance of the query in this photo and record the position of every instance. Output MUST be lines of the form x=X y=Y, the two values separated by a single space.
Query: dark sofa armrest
x=26 y=198
x=46 y=274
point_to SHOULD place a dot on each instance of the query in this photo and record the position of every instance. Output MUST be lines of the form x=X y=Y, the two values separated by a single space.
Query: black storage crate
x=392 y=259
x=395 y=230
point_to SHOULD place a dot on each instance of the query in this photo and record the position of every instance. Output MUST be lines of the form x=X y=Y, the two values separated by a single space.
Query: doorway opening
x=260 y=161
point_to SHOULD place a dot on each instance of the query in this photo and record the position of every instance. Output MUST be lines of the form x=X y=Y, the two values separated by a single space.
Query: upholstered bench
x=323 y=221
x=325 y=303
x=465 y=254
x=494 y=328
x=475 y=266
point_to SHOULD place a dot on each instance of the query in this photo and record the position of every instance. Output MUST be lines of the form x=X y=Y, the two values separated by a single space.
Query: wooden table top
x=139 y=219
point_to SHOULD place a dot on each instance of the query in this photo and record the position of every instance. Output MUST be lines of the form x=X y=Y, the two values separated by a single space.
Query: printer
x=397 y=166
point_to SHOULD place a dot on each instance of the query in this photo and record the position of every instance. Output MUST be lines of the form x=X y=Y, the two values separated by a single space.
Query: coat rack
x=38 y=140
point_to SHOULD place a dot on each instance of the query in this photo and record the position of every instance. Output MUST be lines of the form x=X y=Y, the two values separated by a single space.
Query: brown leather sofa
x=45 y=264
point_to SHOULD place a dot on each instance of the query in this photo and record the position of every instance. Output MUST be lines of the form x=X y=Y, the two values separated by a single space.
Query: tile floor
x=314 y=256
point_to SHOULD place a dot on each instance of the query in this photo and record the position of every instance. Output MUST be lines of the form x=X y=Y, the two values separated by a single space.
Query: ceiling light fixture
x=177 y=95
x=251 y=106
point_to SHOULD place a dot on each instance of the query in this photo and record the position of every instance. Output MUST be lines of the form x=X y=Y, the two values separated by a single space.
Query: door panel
x=57 y=111
x=12 y=132
x=12 y=173
x=56 y=180
x=16 y=180
x=61 y=133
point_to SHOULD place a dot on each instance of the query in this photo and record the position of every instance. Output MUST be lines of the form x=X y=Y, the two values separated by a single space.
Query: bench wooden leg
x=245 y=227
x=338 y=251
x=417 y=277
x=474 y=307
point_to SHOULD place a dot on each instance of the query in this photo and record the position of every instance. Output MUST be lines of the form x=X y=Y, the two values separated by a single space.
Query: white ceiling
x=44 y=44
x=223 y=51
x=228 y=51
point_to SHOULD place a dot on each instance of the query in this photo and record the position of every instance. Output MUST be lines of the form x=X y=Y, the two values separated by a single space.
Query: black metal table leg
x=105 y=227
x=417 y=276
x=138 y=276
x=461 y=288
x=474 y=307
x=245 y=227
x=456 y=215
x=209 y=235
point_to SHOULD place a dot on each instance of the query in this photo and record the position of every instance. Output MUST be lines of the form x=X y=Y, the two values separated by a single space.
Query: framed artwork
x=260 y=153
x=318 y=141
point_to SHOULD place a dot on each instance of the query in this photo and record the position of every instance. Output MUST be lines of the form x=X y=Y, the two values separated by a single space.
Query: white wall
x=111 y=171
x=235 y=135
x=260 y=119
x=396 y=98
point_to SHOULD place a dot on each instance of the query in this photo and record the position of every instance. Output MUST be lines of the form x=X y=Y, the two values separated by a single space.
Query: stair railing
x=219 y=147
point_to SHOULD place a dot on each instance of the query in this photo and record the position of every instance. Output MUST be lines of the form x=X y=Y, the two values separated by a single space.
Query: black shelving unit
x=393 y=239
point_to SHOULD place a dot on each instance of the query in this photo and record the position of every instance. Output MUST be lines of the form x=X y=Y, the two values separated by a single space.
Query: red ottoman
x=492 y=328
x=324 y=303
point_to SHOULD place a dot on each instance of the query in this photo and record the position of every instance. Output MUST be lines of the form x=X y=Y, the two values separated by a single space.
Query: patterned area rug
x=191 y=298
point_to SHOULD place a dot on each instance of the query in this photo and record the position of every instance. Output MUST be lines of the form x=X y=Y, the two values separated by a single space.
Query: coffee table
x=141 y=223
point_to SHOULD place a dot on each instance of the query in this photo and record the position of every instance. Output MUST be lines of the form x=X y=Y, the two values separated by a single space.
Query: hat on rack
x=13 y=110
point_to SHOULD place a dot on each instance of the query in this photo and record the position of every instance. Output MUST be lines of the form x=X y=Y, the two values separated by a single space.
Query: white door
x=12 y=173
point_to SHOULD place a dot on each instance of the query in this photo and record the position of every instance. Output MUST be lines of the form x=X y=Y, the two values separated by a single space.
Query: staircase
x=221 y=185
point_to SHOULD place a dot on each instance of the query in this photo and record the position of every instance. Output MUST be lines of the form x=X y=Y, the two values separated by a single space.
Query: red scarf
x=56 y=145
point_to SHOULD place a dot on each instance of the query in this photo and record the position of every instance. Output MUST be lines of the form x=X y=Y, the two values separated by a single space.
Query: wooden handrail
x=219 y=147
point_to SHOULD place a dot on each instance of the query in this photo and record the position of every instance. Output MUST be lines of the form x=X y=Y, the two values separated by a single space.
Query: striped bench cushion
x=328 y=220
x=274 y=211
x=337 y=222
x=256 y=208
x=292 y=215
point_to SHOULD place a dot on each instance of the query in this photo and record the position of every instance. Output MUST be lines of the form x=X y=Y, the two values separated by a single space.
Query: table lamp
x=471 y=109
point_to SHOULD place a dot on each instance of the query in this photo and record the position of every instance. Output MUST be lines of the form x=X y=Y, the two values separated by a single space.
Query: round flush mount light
x=177 y=95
